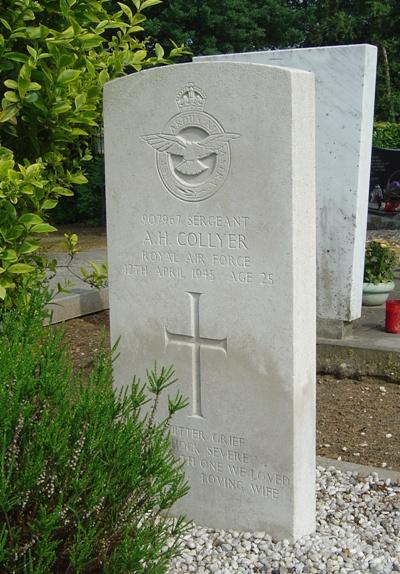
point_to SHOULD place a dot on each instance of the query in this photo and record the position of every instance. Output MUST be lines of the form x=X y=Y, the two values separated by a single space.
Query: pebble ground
x=358 y=532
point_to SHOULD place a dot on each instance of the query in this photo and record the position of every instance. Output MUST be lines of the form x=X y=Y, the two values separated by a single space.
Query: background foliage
x=84 y=474
x=223 y=26
x=88 y=204
x=386 y=135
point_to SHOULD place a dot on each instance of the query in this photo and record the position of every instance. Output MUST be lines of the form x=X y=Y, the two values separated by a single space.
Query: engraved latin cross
x=196 y=342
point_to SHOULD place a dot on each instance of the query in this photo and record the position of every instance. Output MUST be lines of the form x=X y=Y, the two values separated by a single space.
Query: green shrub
x=55 y=57
x=386 y=135
x=85 y=476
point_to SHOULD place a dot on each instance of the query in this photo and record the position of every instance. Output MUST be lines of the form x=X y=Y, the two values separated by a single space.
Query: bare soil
x=357 y=420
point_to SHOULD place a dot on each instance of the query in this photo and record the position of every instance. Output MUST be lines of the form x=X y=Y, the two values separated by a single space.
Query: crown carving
x=191 y=98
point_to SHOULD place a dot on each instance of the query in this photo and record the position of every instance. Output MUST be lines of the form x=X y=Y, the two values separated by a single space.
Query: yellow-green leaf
x=11 y=97
x=9 y=255
x=126 y=9
x=19 y=268
x=12 y=84
x=5 y=24
x=43 y=228
x=79 y=178
x=16 y=56
x=78 y=132
x=5 y=165
x=3 y=292
x=61 y=107
x=80 y=100
x=90 y=41
x=30 y=219
x=103 y=77
x=62 y=191
x=34 y=86
x=67 y=76
x=28 y=247
x=8 y=113
x=148 y=3
x=49 y=203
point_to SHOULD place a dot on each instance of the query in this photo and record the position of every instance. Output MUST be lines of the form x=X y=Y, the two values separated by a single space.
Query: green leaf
x=3 y=292
x=90 y=41
x=32 y=51
x=9 y=255
x=12 y=84
x=23 y=85
x=78 y=132
x=33 y=32
x=62 y=191
x=32 y=97
x=28 y=219
x=34 y=86
x=49 y=203
x=19 y=268
x=5 y=165
x=148 y=3
x=28 y=247
x=138 y=18
x=126 y=10
x=90 y=68
x=43 y=228
x=103 y=77
x=61 y=107
x=80 y=100
x=79 y=178
x=5 y=24
x=139 y=55
x=8 y=113
x=11 y=97
x=16 y=57
x=67 y=76
x=37 y=102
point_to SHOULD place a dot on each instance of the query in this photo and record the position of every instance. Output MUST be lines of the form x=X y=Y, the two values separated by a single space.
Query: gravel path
x=358 y=532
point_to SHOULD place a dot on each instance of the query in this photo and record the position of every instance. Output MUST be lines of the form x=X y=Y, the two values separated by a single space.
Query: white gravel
x=358 y=531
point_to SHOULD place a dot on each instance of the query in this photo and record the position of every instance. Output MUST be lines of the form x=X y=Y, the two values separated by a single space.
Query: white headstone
x=344 y=92
x=210 y=205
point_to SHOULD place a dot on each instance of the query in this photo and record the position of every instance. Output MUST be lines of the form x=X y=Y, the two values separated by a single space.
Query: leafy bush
x=88 y=204
x=25 y=197
x=55 y=57
x=84 y=475
x=386 y=135
x=380 y=262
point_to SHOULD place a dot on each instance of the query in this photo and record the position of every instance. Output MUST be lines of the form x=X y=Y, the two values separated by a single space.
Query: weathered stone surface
x=345 y=91
x=210 y=205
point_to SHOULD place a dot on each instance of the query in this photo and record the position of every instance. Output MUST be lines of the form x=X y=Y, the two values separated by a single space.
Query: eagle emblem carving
x=193 y=160
x=192 y=152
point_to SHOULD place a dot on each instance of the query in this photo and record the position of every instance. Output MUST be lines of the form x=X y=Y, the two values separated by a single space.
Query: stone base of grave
x=384 y=220
x=357 y=357
x=77 y=304
x=333 y=328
